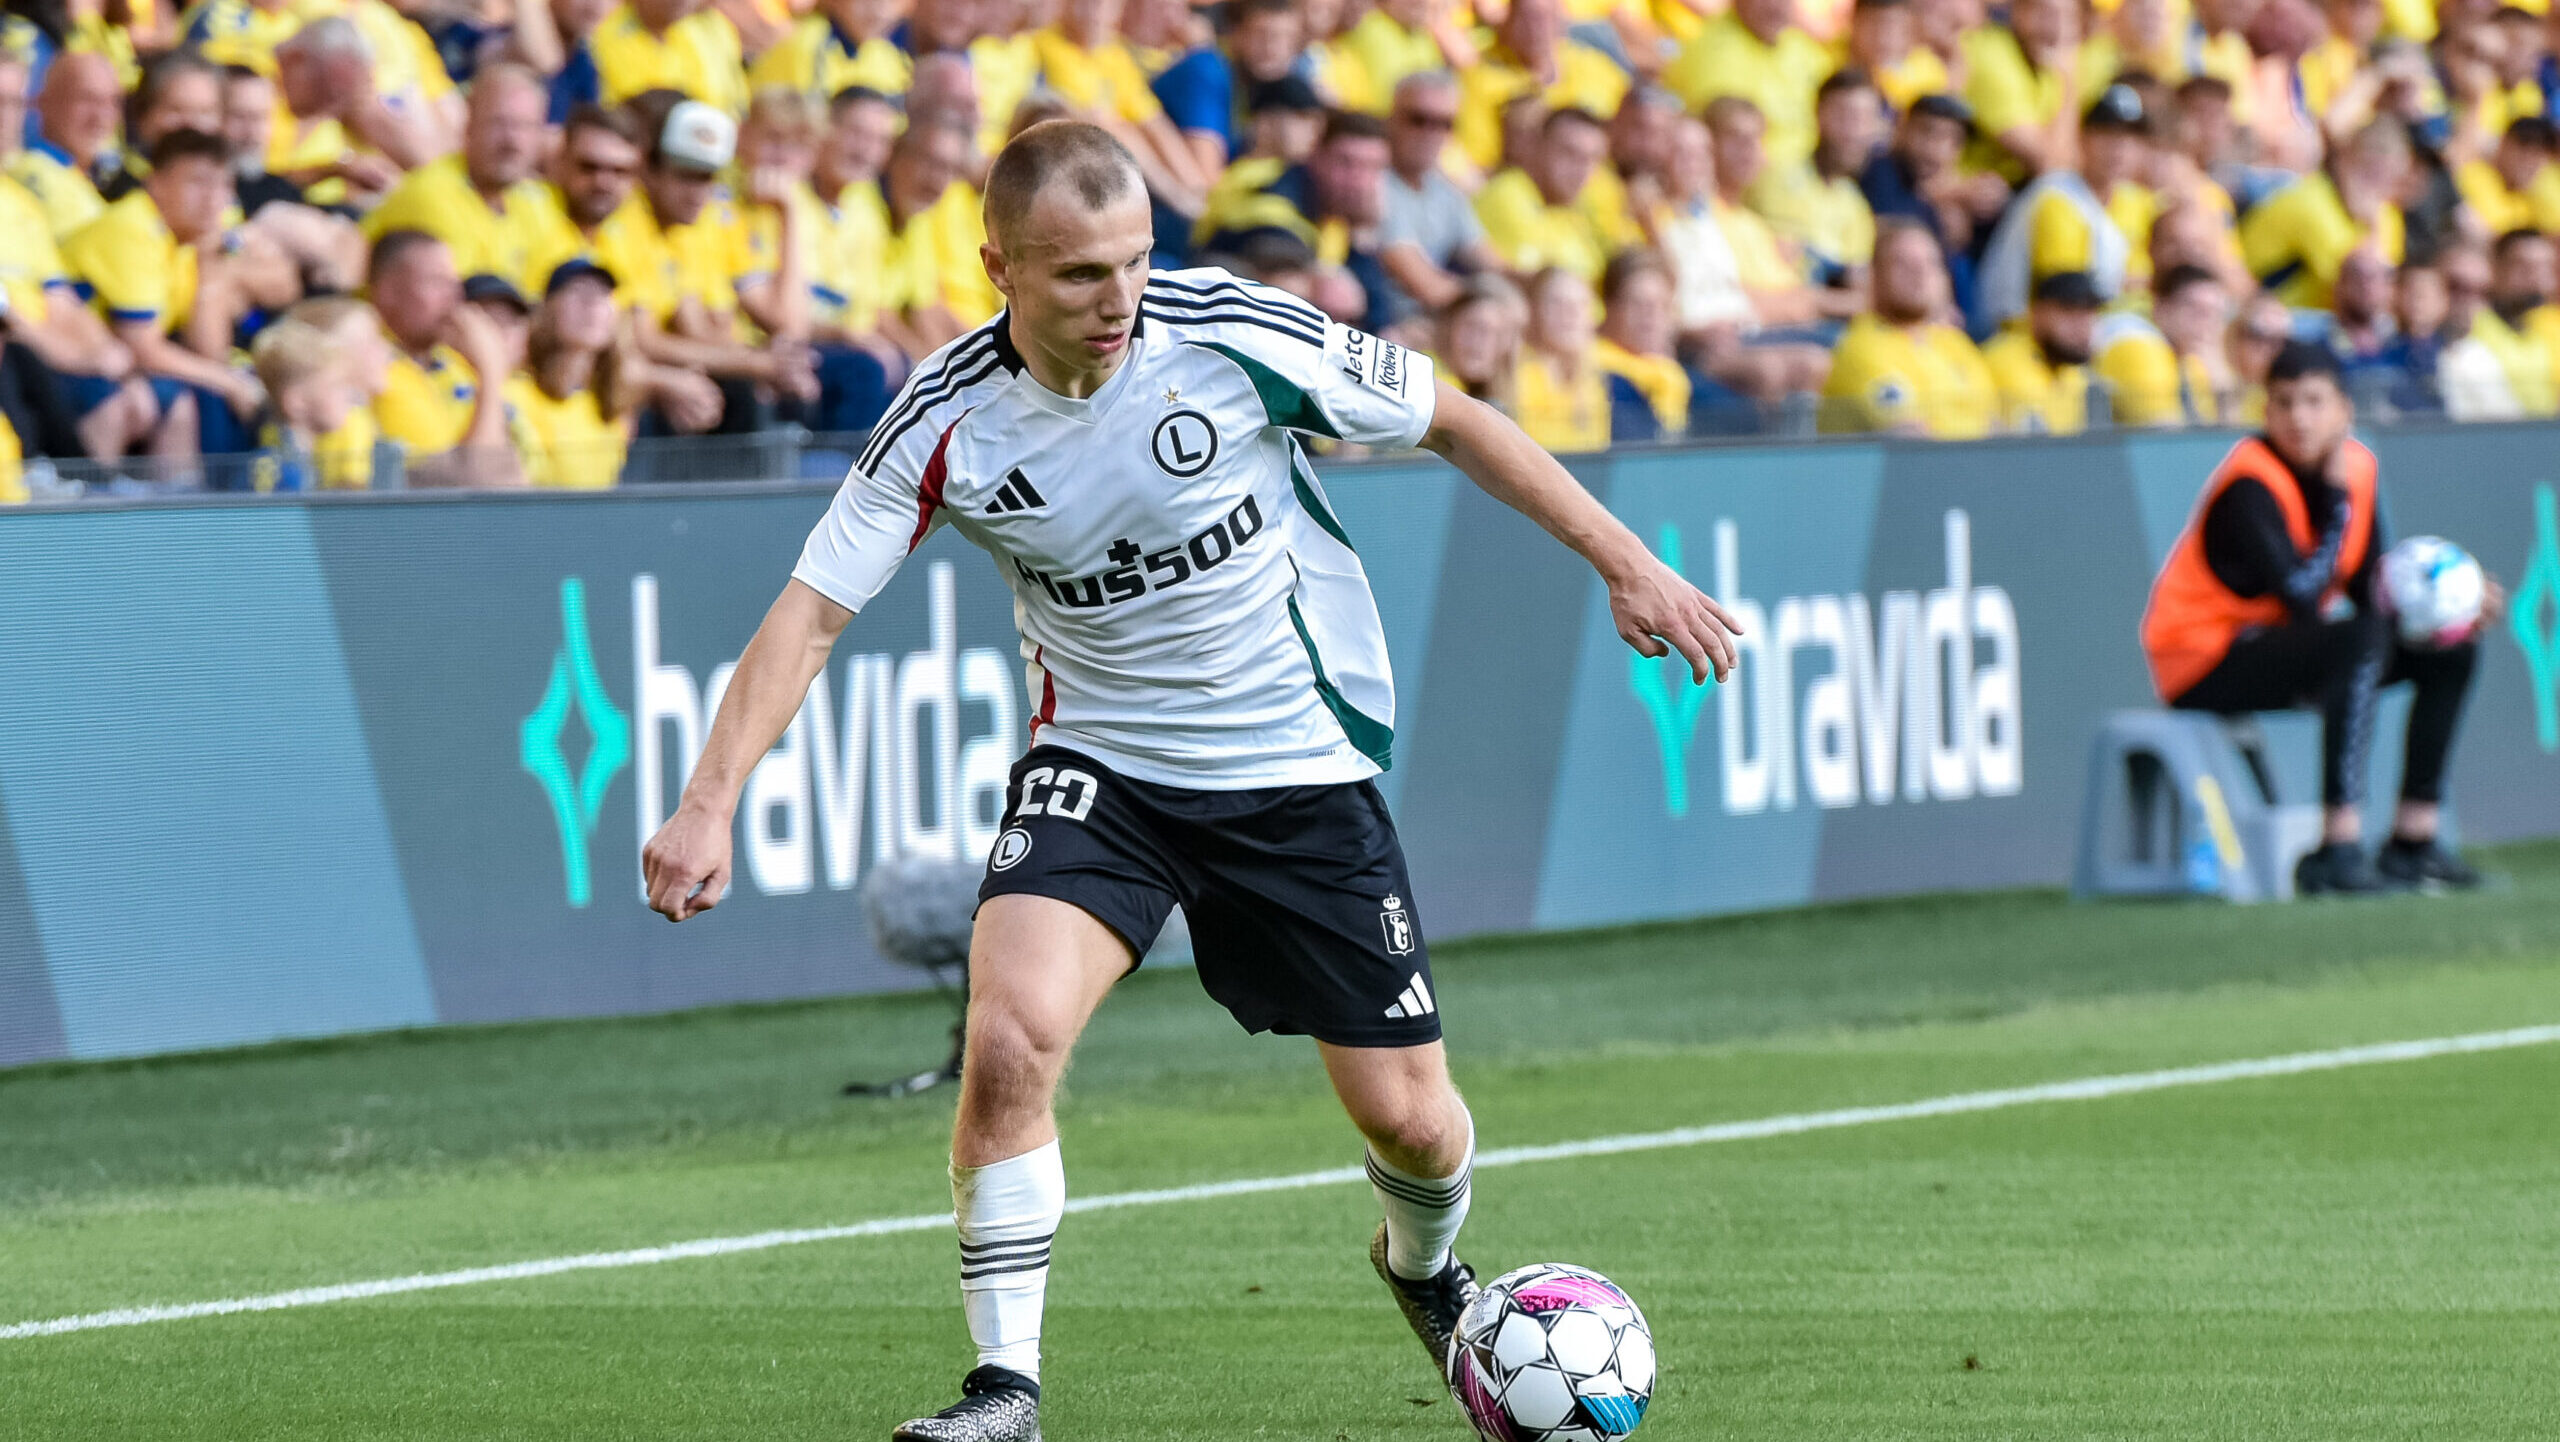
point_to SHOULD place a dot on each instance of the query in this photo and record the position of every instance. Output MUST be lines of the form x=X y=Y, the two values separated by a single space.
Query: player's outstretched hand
x=1657 y=611
x=686 y=865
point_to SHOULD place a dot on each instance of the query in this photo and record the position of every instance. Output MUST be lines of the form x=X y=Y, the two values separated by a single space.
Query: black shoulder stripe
x=921 y=392
x=1184 y=303
x=957 y=386
x=1307 y=316
x=1269 y=297
x=1174 y=318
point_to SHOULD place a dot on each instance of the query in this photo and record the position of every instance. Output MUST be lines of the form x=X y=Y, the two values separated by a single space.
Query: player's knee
x=1426 y=1124
x=1013 y=1059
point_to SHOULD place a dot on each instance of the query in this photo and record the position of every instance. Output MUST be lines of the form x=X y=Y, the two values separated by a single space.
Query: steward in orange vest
x=2267 y=603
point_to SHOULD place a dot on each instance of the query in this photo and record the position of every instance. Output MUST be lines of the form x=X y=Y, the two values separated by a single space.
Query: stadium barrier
x=277 y=768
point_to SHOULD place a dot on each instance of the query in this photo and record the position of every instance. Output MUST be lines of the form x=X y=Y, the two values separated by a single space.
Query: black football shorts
x=1301 y=912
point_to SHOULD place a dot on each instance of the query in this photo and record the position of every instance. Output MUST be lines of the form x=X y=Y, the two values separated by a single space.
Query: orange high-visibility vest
x=2193 y=618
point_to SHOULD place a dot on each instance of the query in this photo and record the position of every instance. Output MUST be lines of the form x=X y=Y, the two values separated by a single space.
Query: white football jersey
x=1191 y=610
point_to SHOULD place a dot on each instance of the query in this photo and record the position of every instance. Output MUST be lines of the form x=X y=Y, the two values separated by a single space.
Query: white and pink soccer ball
x=2433 y=591
x=1552 y=1353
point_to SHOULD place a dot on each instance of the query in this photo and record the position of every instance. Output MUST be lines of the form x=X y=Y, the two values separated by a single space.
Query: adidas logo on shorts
x=1415 y=1000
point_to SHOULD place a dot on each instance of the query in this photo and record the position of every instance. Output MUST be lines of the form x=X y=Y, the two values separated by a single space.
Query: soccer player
x=1211 y=699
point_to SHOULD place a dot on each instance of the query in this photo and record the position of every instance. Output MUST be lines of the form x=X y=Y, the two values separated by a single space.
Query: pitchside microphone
x=921 y=910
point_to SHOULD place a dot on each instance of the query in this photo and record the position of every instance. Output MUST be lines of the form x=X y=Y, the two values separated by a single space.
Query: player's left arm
x=1656 y=610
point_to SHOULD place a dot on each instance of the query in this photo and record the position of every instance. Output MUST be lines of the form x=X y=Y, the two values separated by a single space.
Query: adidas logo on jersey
x=1016 y=494
x=1414 y=1000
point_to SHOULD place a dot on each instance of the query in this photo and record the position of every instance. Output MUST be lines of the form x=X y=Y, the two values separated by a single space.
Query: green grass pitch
x=2365 y=1253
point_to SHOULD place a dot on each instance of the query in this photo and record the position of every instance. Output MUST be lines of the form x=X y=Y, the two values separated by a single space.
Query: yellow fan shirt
x=1887 y=377
x=2295 y=240
x=567 y=442
x=1780 y=78
x=2037 y=397
x=699 y=55
x=817 y=58
x=425 y=406
x=501 y=240
x=1564 y=414
x=1531 y=235
x=131 y=268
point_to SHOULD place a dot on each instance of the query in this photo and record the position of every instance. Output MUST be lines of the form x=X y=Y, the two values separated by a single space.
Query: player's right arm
x=887 y=506
x=687 y=863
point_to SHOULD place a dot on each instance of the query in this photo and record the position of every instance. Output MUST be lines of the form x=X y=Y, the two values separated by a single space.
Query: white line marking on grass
x=2083 y=1089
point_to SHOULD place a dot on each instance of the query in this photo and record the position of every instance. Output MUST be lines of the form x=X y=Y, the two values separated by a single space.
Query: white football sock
x=1423 y=1213
x=1007 y=1213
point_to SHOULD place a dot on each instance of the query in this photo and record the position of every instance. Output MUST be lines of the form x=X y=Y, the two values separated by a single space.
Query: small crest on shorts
x=1011 y=847
x=1398 y=925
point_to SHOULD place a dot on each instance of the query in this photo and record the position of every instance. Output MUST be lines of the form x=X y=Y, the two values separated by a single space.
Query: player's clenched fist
x=686 y=865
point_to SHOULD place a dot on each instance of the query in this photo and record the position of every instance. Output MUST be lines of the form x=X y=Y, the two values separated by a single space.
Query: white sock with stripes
x=1423 y=1213
x=1008 y=1213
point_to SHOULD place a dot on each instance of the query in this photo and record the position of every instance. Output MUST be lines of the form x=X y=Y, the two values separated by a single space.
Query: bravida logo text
x=875 y=765
x=1916 y=695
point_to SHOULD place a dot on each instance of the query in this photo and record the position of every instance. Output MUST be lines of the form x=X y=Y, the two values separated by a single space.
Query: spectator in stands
x=2406 y=371
x=1286 y=119
x=341 y=139
x=923 y=164
x=1884 y=41
x=2041 y=369
x=1816 y=204
x=1768 y=269
x=1429 y=239
x=60 y=343
x=2517 y=186
x=1334 y=203
x=1648 y=389
x=1266 y=40
x=248 y=127
x=2169 y=369
x=677 y=255
x=1531 y=56
x=572 y=71
x=2258 y=333
x=1631 y=184
x=682 y=45
x=1084 y=60
x=1727 y=290
x=2518 y=326
x=577 y=392
x=2360 y=312
x=178 y=91
x=318 y=432
x=1562 y=395
x=1399 y=38
x=161 y=269
x=835 y=45
x=2093 y=220
x=780 y=223
x=858 y=367
x=1901 y=367
x=1921 y=179
x=1529 y=213
x=2022 y=80
x=80 y=107
x=1479 y=347
x=484 y=202
x=2296 y=239
x=1758 y=52
x=443 y=400
x=2268 y=599
x=1195 y=86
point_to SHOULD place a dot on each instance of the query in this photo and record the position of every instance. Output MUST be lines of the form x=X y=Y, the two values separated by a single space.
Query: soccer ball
x=2432 y=590
x=1552 y=1353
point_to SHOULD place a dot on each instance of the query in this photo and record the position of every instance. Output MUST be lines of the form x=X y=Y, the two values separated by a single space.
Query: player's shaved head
x=1084 y=158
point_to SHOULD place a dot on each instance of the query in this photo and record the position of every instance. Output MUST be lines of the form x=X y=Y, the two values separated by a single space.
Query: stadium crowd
x=499 y=239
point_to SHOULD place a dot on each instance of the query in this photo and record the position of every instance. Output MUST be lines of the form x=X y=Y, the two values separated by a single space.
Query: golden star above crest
x=1172 y=394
